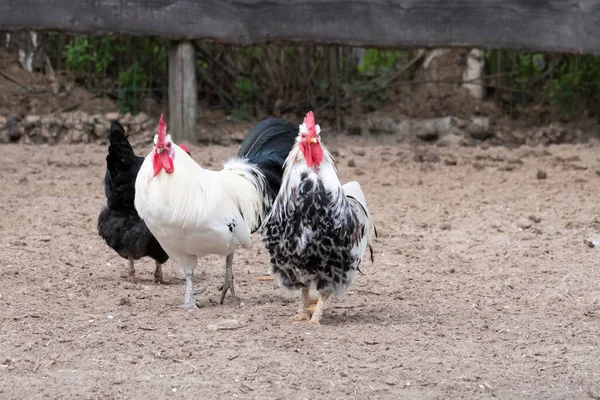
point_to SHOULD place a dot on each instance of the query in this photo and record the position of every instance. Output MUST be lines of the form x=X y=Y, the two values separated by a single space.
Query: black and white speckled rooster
x=318 y=229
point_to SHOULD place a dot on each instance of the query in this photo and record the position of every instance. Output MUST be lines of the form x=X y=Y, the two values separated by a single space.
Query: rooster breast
x=312 y=233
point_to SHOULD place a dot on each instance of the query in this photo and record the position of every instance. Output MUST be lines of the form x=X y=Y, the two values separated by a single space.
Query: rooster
x=118 y=223
x=193 y=211
x=318 y=229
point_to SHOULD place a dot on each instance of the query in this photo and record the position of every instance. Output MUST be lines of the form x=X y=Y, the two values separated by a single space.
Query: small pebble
x=535 y=218
x=524 y=223
x=225 y=324
x=125 y=301
x=450 y=161
x=359 y=152
x=445 y=226
x=541 y=174
x=352 y=163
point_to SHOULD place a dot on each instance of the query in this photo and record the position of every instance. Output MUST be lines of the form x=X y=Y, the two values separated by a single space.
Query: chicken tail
x=122 y=166
x=267 y=146
x=120 y=153
x=357 y=200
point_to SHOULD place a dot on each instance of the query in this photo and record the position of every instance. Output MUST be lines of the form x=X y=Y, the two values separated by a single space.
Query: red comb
x=162 y=132
x=309 y=121
x=184 y=148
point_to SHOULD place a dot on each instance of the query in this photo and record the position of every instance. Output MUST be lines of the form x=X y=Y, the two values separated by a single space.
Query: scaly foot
x=316 y=317
x=190 y=306
x=303 y=317
x=304 y=312
x=228 y=283
x=158 y=274
x=131 y=271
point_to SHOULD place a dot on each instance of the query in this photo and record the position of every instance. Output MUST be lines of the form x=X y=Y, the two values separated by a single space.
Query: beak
x=313 y=140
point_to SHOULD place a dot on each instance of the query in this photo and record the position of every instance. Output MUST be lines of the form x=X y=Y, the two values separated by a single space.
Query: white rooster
x=193 y=211
x=318 y=230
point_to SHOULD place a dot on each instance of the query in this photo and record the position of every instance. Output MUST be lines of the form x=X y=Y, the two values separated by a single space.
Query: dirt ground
x=482 y=287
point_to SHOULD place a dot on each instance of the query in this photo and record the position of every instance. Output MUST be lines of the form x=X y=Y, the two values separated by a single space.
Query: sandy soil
x=467 y=298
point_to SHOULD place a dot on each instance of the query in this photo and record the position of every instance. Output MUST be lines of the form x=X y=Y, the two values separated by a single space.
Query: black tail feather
x=120 y=153
x=122 y=166
x=267 y=146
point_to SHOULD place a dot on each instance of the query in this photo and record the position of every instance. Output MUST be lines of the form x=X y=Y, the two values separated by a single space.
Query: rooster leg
x=131 y=271
x=316 y=317
x=158 y=275
x=190 y=299
x=303 y=313
x=228 y=284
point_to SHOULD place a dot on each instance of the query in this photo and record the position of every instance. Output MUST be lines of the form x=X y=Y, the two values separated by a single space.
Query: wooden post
x=182 y=92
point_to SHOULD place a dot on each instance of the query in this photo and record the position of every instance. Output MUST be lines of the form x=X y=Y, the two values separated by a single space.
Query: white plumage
x=193 y=211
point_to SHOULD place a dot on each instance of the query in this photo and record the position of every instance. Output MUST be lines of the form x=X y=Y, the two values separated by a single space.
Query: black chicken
x=118 y=223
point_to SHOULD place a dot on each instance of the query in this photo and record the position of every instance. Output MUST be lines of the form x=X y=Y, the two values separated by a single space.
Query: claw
x=224 y=288
x=228 y=283
x=304 y=317
x=190 y=306
x=158 y=275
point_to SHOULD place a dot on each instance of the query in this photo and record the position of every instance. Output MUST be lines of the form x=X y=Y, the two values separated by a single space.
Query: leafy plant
x=81 y=53
x=245 y=94
x=377 y=61
x=132 y=82
x=576 y=82
x=77 y=54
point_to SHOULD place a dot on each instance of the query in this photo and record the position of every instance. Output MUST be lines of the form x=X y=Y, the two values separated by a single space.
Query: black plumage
x=119 y=224
x=267 y=147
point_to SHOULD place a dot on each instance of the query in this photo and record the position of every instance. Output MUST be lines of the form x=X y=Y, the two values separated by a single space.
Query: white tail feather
x=354 y=194
x=251 y=193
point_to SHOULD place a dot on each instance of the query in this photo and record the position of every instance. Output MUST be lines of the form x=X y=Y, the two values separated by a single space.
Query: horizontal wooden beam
x=539 y=25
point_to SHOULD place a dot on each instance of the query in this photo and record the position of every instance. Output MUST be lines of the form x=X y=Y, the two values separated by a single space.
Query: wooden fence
x=539 y=25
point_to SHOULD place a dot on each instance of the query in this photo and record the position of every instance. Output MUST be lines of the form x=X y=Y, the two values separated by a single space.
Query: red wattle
x=316 y=153
x=162 y=161
x=305 y=149
x=156 y=163
x=167 y=163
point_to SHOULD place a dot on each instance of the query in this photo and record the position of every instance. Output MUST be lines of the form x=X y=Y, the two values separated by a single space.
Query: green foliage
x=245 y=95
x=131 y=82
x=295 y=78
x=380 y=61
x=374 y=75
x=80 y=53
x=566 y=82
x=77 y=53
x=528 y=68
x=127 y=65
x=576 y=82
